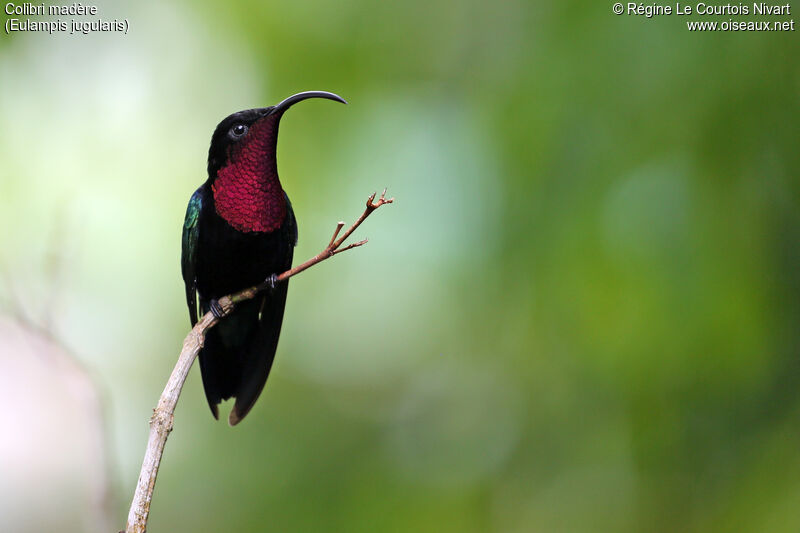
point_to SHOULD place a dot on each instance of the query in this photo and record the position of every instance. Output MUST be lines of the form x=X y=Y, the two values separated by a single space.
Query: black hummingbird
x=239 y=231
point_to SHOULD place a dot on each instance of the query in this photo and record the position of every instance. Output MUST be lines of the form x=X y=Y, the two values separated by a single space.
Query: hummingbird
x=240 y=231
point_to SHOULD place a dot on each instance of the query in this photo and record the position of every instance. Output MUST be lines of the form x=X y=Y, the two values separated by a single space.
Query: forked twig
x=161 y=422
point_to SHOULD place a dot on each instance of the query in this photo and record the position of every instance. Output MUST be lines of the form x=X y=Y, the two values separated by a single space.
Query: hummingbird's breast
x=247 y=192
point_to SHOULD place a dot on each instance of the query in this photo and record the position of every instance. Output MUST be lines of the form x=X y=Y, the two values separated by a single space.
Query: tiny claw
x=272 y=281
x=216 y=309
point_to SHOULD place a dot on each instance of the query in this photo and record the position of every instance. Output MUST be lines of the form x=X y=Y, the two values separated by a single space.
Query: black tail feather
x=238 y=353
x=260 y=353
x=219 y=376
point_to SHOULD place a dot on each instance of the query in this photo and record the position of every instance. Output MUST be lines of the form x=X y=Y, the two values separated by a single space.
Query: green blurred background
x=582 y=313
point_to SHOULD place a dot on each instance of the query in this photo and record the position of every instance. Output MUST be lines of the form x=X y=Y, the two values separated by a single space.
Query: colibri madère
x=239 y=231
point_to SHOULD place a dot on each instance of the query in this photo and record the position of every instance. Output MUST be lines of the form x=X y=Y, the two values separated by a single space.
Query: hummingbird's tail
x=219 y=373
x=238 y=353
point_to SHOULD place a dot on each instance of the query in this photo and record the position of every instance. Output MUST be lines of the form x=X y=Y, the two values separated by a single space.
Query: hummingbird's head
x=247 y=139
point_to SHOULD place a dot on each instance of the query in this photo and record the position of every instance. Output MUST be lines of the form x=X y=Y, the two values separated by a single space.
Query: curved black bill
x=299 y=97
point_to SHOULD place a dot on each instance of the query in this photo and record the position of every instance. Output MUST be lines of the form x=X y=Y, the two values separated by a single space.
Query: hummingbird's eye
x=238 y=130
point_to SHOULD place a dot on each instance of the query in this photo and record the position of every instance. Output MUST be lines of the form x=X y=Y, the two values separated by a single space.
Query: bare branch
x=350 y=246
x=371 y=206
x=161 y=422
x=339 y=227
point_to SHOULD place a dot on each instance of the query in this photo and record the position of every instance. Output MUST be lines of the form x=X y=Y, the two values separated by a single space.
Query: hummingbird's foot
x=272 y=282
x=216 y=309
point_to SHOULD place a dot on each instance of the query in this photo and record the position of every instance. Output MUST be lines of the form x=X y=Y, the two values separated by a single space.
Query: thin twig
x=371 y=206
x=339 y=227
x=350 y=247
x=161 y=422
